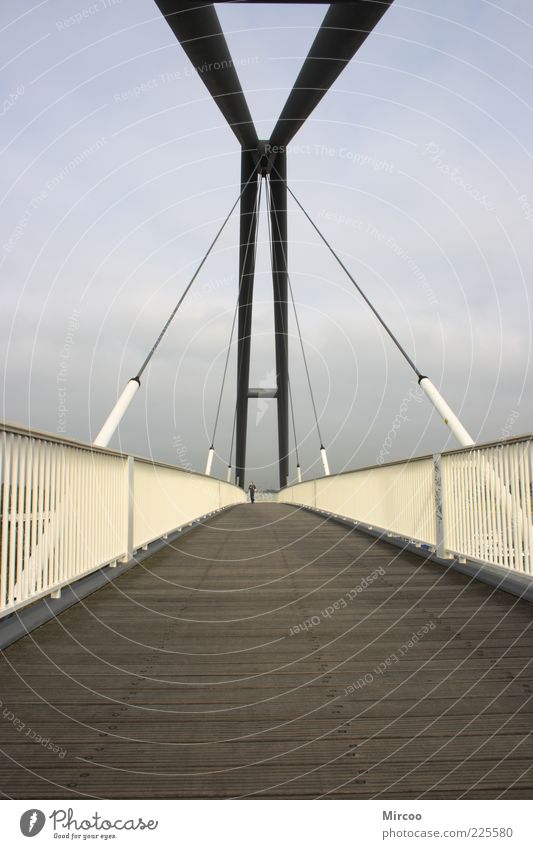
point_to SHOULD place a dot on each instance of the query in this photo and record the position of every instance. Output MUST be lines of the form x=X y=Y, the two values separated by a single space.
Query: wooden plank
x=274 y=654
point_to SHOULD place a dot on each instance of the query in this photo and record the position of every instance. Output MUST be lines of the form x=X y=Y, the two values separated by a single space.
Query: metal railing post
x=440 y=549
x=129 y=478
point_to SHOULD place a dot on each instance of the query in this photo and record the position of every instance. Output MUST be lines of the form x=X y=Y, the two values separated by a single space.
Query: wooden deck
x=188 y=676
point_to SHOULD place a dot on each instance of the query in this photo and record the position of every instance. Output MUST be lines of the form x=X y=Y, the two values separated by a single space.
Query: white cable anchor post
x=445 y=411
x=299 y=473
x=501 y=493
x=117 y=413
x=210 y=455
x=324 y=458
x=228 y=476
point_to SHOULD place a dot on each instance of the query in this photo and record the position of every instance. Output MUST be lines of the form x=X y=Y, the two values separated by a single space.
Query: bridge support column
x=247 y=252
x=278 y=194
x=129 y=478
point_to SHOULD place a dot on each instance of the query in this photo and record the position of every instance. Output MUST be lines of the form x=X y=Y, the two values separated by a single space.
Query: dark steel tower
x=197 y=28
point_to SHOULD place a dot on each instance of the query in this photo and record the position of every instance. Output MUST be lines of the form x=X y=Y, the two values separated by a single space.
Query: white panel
x=486 y=500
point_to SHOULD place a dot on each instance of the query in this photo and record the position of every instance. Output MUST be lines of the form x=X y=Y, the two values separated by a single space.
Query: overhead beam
x=343 y=31
x=198 y=30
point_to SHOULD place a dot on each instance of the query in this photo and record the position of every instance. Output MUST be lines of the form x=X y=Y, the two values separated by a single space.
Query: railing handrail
x=8 y=427
x=513 y=440
x=33 y=433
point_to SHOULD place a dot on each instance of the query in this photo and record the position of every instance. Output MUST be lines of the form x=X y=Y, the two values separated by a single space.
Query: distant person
x=251 y=489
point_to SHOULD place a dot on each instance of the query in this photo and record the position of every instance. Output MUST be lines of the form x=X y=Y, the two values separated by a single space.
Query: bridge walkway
x=273 y=653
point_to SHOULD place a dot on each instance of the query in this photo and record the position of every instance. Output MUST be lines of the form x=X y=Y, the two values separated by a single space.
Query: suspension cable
x=299 y=334
x=269 y=206
x=254 y=218
x=232 y=436
x=305 y=364
x=293 y=424
x=288 y=376
x=357 y=286
x=224 y=378
x=193 y=278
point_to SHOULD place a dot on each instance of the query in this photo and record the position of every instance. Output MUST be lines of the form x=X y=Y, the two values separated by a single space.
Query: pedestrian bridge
x=361 y=635
x=198 y=646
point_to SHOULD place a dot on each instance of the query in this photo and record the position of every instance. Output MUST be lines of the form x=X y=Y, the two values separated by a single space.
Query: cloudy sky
x=117 y=169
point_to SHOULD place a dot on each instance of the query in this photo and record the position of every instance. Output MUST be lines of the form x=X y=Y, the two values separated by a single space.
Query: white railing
x=166 y=497
x=396 y=498
x=68 y=509
x=487 y=504
x=473 y=503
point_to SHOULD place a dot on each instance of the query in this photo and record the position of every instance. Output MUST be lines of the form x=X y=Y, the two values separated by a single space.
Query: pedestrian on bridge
x=251 y=489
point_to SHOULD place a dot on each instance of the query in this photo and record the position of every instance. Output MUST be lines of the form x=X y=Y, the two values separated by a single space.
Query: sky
x=117 y=169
